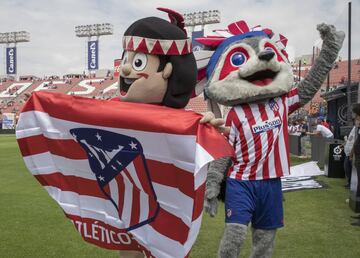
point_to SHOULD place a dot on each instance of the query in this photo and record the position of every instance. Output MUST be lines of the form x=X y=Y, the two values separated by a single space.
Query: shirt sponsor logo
x=267 y=125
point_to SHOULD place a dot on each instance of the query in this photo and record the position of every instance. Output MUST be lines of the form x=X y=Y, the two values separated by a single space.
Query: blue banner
x=93 y=55
x=196 y=45
x=11 y=60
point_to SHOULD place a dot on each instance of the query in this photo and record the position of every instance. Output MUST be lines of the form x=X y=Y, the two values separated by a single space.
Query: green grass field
x=32 y=225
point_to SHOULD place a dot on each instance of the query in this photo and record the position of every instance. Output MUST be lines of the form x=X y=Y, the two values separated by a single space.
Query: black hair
x=356 y=109
x=182 y=81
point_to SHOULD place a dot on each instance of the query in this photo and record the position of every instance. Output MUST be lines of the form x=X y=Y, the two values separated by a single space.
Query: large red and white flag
x=129 y=176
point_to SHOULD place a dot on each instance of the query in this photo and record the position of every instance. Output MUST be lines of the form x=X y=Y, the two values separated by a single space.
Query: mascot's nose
x=126 y=69
x=266 y=55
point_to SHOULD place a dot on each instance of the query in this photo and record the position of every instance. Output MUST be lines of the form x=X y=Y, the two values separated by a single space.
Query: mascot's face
x=248 y=70
x=140 y=80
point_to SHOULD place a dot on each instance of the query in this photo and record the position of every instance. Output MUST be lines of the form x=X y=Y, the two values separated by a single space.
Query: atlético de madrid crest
x=121 y=172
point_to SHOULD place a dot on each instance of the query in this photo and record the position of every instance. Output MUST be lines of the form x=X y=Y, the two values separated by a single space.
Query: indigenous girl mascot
x=249 y=71
x=158 y=67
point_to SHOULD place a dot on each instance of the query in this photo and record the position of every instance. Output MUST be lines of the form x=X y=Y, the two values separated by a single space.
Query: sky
x=54 y=48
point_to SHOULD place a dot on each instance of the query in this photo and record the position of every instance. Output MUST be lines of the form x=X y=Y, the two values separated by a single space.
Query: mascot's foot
x=232 y=240
x=263 y=243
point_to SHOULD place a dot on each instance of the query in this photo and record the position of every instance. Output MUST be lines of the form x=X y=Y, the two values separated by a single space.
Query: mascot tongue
x=263 y=82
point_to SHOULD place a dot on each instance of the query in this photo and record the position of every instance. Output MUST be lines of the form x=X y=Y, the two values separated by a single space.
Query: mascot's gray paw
x=330 y=35
x=211 y=201
x=210 y=206
x=212 y=190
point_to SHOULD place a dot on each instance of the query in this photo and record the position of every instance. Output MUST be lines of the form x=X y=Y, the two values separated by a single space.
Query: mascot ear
x=166 y=73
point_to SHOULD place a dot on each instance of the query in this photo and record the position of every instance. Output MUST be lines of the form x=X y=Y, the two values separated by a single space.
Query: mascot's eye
x=139 y=61
x=237 y=59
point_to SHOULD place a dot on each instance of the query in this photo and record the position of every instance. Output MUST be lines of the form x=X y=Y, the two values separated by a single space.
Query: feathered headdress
x=240 y=29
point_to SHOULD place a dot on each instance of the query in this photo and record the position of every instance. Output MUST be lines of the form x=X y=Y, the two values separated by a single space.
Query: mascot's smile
x=261 y=78
x=248 y=69
x=125 y=84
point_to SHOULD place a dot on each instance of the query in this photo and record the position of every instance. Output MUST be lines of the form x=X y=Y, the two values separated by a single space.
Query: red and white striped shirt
x=259 y=135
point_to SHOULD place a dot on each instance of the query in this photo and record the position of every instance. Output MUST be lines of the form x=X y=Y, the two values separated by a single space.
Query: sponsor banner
x=8 y=121
x=11 y=60
x=93 y=55
x=117 y=63
x=196 y=45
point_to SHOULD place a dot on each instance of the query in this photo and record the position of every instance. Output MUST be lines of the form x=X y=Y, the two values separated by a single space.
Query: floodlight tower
x=93 y=30
x=12 y=38
x=201 y=18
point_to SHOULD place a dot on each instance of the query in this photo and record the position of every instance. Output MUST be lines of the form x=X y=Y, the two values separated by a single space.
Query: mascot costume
x=158 y=66
x=249 y=71
x=129 y=176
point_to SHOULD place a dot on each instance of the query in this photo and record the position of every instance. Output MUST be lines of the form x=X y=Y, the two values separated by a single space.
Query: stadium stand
x=338 y=77
x=103 y=85
x=13 y=94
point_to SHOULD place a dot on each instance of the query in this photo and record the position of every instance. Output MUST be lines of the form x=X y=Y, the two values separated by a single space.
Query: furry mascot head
x=248 y=66
x=158 y=65
x=249 y=71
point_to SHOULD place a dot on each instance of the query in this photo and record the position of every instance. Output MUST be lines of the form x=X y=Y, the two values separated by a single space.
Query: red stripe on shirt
x=270 y=137
x=232 y=117
x=293 y=92
x=292 y=100
x=277 y=158
x=286 y=134
x=257 y=140
x=294 y=107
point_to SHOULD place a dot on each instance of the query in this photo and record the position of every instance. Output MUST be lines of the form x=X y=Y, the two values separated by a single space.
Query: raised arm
x=332 y=43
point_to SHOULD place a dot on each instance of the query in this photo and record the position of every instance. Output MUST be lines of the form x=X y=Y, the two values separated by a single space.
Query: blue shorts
x=255 y=201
